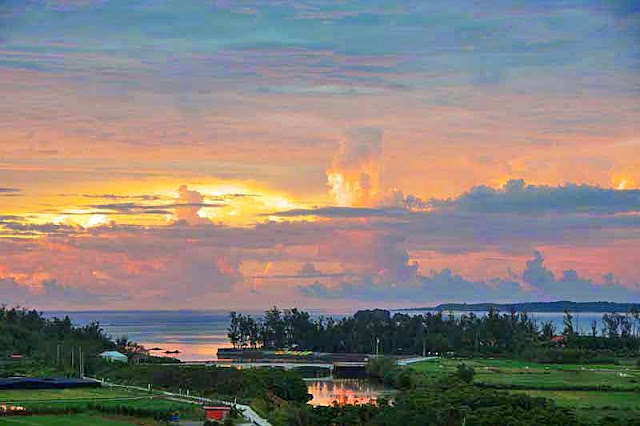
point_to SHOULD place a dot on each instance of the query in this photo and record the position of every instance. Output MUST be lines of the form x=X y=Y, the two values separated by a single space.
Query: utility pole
x=58 y=353
x=377 y=346
x=81 y=362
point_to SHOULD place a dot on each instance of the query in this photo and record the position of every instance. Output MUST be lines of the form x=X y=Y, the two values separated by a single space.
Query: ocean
x=199 y=334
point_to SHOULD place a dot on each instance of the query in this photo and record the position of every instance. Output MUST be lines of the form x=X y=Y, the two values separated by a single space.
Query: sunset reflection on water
x=345 y=391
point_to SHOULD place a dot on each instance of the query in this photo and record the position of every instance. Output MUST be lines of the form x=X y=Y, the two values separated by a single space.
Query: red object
x=217 y=413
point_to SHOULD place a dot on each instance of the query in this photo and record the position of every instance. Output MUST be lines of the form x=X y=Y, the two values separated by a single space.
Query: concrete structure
x=114 y=356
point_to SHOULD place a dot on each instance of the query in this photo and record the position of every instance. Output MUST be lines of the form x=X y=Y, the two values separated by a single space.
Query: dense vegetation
x=447 y=403
x=512 y=333
x=449 y=400
x=48 y=345
x=559 y=306
x=215 y=381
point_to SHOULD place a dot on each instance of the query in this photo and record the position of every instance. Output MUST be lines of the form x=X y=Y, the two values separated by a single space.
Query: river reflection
x=346 y=391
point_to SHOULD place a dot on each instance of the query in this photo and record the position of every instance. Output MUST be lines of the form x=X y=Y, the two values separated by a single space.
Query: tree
x=567 y=322
x=548 y=330
x=234 y=329
x=465 y=373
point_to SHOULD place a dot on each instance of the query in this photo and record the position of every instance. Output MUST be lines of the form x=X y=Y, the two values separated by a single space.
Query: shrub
x=465 y=373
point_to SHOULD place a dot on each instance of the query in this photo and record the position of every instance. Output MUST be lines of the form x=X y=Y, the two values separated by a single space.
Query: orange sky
x=407 y=154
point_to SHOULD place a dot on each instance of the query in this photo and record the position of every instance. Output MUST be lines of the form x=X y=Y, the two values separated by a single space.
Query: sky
x=321 y=154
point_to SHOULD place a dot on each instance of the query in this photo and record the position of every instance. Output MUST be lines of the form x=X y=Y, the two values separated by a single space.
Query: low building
x=114 y=356
x=218 y=412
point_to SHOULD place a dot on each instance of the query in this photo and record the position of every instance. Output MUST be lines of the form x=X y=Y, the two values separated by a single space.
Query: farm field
x=590 y=400
x=597 y=407
x=64 y=394
x=101 y=403
x=569 y=385
x=69 y=420
x=531 y=375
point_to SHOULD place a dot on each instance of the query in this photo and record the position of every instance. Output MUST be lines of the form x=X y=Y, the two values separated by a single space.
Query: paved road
x=416 y=359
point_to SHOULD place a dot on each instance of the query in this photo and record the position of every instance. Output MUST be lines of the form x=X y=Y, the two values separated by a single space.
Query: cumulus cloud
x=196 y=274
x=309 y=269
x=343 y=212
x=535 y=283
x=190 y=204
x=518 y=197
x=571 y=286
x=50 y=292
x=355 y=171
x=397 y=199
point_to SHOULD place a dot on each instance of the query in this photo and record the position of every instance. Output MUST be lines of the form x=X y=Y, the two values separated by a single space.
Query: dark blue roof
x=45 y=383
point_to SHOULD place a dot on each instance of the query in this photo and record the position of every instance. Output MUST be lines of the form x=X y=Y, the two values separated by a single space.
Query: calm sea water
x=199 y=334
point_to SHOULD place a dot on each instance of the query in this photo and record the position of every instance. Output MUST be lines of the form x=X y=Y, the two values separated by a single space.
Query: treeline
x=217 y=382
x=445 y=403
x=452 y=400
x=52 y=344
x=31 y=344
x=372 y=331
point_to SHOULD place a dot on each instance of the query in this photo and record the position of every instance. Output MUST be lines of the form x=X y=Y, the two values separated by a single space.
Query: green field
x=48 y=406
x=530 y=375
x=620 y=401
x=67 y=420
x=64 y=394
x=591 y=400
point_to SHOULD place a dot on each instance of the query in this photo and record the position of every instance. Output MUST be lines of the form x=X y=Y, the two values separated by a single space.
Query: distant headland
x=558 y=306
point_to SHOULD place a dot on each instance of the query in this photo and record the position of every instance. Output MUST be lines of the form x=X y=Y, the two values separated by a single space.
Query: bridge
x=290 y=365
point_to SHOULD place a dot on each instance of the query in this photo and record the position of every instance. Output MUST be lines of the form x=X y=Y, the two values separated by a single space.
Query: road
x=246 y=411
x=416 y=359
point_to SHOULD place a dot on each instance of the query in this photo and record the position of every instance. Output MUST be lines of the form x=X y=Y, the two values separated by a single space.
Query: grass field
x=69 y=420
x=592 y=406
x=64 y=394
x=539 y=376
x=84 y=402
x=595 y=407
x=588 y=400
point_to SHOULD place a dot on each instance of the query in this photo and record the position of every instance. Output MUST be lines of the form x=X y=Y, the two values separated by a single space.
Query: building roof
x=114 y=355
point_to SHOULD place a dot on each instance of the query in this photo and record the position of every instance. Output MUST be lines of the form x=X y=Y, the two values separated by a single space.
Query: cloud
x=198 y=273
x=570 y=286
x=137 y=208
x=191 y=203
x=355 y=172
x=536 y=283
x=51 y=293
x=342 y=212
x=518 y=197
x=398 y=199
x=10 y=192
x=309 y=269
x=122 y=197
